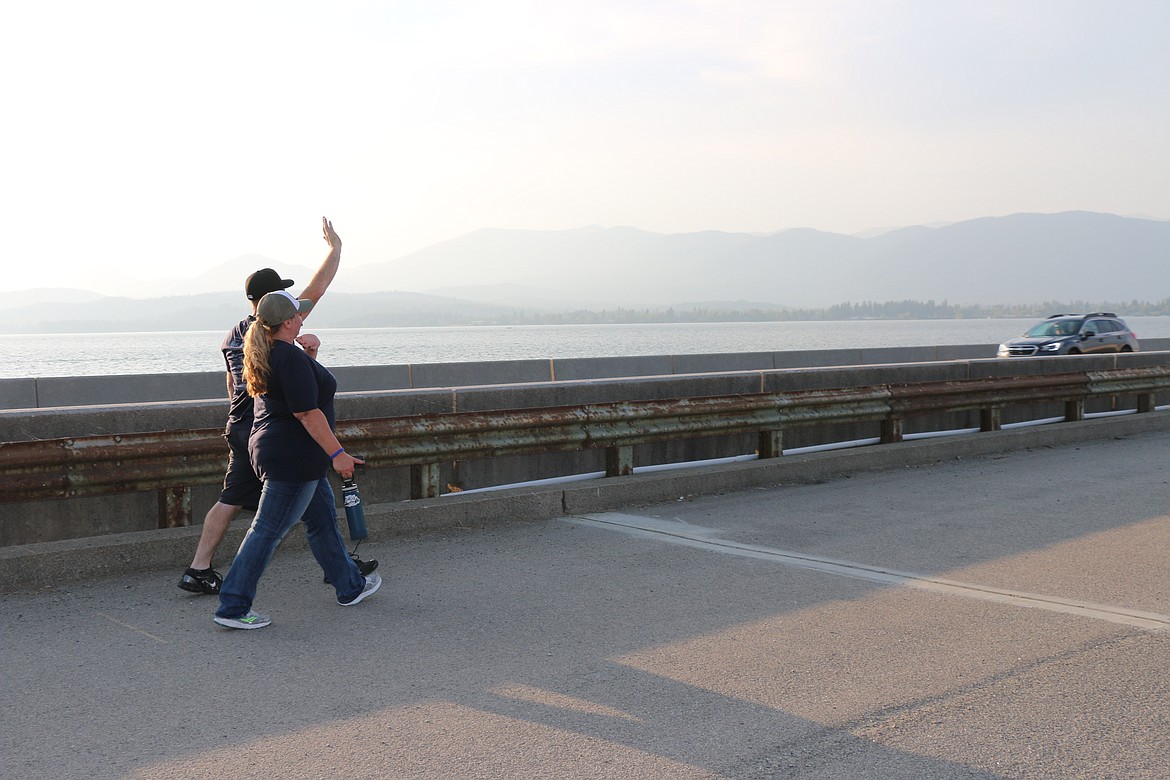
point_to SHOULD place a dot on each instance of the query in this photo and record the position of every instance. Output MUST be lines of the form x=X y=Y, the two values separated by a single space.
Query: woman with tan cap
x=241 y=488
x=292 y=447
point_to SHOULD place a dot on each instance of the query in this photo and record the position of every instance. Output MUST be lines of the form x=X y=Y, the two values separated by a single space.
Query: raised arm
x=324 y=276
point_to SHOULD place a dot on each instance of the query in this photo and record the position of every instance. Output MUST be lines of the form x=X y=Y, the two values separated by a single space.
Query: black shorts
x=241 y=486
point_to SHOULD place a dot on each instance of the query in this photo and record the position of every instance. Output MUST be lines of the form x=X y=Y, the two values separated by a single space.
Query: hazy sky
x=161 y=139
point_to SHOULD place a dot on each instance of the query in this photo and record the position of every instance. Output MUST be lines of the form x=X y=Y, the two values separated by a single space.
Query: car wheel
x=1127 y=348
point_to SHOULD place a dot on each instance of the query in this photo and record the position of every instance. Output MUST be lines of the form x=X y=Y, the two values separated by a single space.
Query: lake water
x=174 y=352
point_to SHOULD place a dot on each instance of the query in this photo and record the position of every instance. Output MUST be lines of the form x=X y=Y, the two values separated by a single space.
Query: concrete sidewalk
x=987 y=615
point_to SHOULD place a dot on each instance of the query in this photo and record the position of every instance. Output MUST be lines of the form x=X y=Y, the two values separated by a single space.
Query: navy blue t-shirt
x=239 y=402
x=280 y=447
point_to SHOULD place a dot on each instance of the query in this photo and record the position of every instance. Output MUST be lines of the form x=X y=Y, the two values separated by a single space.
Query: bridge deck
x=985 y=617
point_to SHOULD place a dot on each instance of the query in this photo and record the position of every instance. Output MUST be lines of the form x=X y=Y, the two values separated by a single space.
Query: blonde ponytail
x=257 y=346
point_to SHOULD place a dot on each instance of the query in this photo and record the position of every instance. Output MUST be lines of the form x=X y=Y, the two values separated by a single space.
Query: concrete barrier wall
x=72 y=518
x=47 y=392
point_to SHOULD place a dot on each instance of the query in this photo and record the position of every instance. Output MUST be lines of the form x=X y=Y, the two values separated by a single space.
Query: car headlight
x=1003 y=351
x=1053 y=347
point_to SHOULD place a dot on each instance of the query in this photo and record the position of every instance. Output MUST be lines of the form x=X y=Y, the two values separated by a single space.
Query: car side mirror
x=1088 y=334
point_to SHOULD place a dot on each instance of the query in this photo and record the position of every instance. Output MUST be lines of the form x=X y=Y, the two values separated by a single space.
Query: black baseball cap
x=263 y=282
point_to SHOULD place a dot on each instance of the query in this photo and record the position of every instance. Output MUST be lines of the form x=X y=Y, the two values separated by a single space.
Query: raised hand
x=331 y=236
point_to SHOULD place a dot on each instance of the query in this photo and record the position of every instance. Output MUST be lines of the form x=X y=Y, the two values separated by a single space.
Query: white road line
x=680 y=533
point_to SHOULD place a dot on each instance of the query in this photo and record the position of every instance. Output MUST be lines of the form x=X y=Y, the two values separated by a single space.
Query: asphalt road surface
x=996 y=617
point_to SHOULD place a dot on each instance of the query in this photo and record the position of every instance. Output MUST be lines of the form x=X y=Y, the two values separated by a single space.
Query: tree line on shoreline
x=866 y=310
x=381 y=310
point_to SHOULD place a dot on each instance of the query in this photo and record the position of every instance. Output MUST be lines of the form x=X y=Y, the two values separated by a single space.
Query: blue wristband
x=334 y=455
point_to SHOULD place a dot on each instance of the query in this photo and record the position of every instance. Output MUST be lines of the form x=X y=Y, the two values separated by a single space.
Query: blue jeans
x=281 y=505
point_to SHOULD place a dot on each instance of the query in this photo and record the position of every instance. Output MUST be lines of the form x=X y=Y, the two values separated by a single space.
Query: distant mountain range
x=1022 y=258
x=1015 y=259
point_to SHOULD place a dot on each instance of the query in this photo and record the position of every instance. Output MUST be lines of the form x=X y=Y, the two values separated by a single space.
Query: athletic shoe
x=365 y=568
x=373 y=582
x=205 y=581
x=251 y=620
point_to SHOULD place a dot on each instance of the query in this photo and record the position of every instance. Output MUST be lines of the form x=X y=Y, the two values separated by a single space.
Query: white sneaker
x=373 y=582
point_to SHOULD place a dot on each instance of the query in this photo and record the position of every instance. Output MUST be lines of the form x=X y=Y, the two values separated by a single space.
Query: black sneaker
x=365 y=567
x=205 y=581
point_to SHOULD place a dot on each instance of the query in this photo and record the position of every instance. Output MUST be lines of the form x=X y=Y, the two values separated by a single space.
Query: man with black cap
x=241 y=487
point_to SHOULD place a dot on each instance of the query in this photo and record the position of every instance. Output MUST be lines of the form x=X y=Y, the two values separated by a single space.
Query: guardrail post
x=1145 y=402
x=424 y=481
x=174 y=507
x=891 y=430
x=771 y=444
x=990 y=419
x=619 y=460
x=1074 y=411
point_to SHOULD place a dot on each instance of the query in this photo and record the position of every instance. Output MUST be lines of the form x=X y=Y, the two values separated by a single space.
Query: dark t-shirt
x=239 y=402
x=280 y=447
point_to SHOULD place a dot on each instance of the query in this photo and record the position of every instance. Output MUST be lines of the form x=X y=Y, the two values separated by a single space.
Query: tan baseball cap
x=276 y=307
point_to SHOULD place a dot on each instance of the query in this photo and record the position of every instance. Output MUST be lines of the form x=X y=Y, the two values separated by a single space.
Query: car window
x=1053 y=328
x=1097 y=326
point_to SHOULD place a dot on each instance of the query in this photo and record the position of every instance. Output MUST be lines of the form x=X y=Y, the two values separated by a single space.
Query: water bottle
x=355 y=514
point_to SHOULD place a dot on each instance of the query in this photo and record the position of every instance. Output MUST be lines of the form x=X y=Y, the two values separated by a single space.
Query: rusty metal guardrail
x=171 y=462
